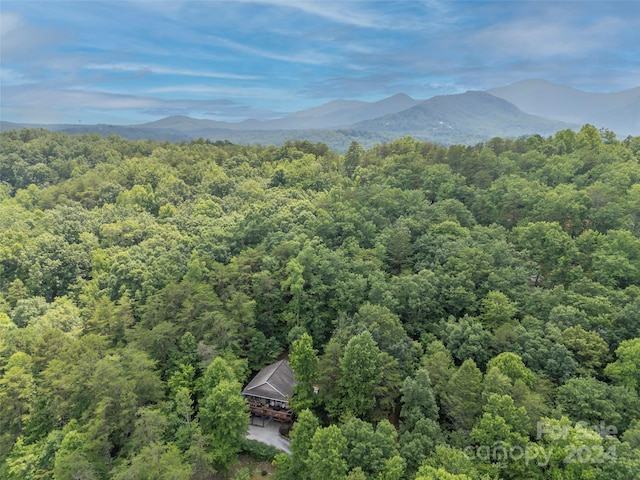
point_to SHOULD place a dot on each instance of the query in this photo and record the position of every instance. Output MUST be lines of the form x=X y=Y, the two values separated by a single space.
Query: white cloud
x=9 y=23
x=309 y=57
x=224 y=91
x=157 y=69
x=69 y=98
x=339 y=12
x=32 y=97
x=18 y=37
x=9 y=76
x=551 y=35
x=377 y=15
x=163 y=7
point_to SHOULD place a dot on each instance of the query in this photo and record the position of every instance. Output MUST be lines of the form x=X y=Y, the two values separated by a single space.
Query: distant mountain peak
x=397 y=99
x=399 y=96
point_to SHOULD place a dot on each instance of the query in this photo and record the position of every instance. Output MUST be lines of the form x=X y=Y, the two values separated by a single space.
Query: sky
x=130 y=62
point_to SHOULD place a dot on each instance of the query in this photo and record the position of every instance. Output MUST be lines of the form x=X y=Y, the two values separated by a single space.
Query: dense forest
x=463 y=312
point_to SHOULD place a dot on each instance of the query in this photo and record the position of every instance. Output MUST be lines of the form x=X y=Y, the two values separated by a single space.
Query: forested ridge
x=465 y=312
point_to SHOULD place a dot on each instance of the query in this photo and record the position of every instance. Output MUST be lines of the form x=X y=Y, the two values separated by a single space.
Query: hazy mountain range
x=523 y=108
x=618 y=112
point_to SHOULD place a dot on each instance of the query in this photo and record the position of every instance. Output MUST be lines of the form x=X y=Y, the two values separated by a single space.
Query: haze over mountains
x=619 y=111
x=523 y=108
x=337 y=113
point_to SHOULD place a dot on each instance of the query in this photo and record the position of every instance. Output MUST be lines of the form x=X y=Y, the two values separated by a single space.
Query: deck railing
x=279 y=415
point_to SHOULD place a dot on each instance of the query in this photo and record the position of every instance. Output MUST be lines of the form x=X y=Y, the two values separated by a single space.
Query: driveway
x=269 y=434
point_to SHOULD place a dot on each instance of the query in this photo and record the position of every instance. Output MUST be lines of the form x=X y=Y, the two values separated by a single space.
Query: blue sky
x=128 y=62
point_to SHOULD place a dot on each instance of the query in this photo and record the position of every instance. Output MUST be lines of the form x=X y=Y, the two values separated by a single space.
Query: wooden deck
x=278 y=415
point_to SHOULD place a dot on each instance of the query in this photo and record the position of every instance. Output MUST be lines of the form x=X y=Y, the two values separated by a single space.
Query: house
x=268 y=393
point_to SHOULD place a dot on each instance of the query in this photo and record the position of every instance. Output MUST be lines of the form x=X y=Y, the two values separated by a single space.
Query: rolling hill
x=473 y=116
x=523 y=108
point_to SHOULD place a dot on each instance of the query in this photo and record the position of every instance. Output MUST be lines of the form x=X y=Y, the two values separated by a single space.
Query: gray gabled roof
x=274 y=382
